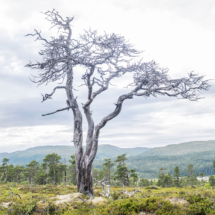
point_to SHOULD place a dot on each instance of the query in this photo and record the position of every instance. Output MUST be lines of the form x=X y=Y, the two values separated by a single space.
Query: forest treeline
x=147 y=166
x=54 y=170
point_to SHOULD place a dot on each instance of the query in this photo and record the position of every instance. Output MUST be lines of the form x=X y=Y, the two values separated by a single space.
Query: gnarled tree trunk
x=111 y=57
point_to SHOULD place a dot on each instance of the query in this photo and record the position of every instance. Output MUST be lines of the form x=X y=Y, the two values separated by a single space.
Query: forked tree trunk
x=83 y=160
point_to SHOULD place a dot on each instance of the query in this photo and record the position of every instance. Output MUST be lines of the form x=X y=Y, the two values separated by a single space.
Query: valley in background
x=146 y=161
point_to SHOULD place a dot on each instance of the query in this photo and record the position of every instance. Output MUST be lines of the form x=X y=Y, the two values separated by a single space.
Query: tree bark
x=54 y=177
x=77 y=132
x=65 y=176
x=5 y=175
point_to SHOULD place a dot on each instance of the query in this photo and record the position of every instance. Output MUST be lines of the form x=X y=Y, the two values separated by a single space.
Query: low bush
x=39 y=200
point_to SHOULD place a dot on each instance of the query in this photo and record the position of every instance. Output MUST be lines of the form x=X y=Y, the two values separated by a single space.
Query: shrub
x=152 y=187
x=207 y=185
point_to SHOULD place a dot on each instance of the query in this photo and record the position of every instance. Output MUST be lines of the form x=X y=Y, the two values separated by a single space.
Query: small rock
x=99 y=201
x=73 y=197
x=145 y=213
x=176 y=200
x=5 y=204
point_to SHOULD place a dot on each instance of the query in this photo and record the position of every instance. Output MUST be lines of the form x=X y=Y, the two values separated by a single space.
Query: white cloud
x=176 y=34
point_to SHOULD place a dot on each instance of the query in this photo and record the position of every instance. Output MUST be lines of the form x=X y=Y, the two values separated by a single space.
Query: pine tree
x=4 y=168
x=31 y=170
x=18 y=170
x=121 y=173
x=133 y=175
x=52 y=161
x=62 y=169
x=168 y=180
x=107 y=168
x=212 y=180
x=144 y=182
x=72 y=168
x=190 y=174
x=161 y=176
x=177 y=175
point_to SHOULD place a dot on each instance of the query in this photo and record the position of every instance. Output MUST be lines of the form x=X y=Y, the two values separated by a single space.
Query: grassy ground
x=25 y=199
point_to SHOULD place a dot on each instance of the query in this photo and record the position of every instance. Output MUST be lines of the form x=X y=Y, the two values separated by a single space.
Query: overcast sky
x=177 y=34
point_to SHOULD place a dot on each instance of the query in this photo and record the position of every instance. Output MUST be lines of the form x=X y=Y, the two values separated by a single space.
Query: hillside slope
x=183 y=148
x=199 y=153
x=39 y=153
x=145 y=161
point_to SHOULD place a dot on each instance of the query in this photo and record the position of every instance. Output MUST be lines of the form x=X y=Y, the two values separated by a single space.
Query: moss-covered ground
x=17 y=199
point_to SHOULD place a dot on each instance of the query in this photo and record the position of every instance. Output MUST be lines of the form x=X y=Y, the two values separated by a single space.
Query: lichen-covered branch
x=67 y=108
x=49 y=96
x=105 y=193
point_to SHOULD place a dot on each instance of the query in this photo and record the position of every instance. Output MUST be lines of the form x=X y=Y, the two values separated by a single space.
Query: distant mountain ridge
x=183 y=148
x=38 y=153
x=199 y=153
x=146 y=161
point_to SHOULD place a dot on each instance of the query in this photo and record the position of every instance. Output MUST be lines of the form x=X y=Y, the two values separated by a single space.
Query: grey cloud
x=21 y=105
x=197 y=11
x=20 y=11
x=28 y=112
x=123 y=135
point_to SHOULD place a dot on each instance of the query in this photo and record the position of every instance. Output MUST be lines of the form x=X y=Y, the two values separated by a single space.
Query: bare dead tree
x=104 y=58
x=105 y=193
x=125 y=192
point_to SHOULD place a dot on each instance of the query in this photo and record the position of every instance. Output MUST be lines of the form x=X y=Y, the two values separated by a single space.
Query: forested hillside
x=199 y=153
x=183 y=148
x=39 y=153
x=148 y=166
x=145 y=161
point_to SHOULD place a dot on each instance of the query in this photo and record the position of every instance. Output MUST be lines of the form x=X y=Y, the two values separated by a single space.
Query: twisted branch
x=105 y=193
x=67 y=108
x=49 y=96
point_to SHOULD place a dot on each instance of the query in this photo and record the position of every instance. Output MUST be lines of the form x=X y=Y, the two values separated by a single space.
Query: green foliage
x=177 y=174
x=200 y=205
x=122 y=173
x=175 y=155
x=144 y=182
x=152 y=187
x=72 y=169
x=207 y=185
x=201 y=174
x=52 y=161
x=38 y=200
x=161 y=176
x=107 y=165
x=212 y=180
x=4 y=168
x=31 y=170
x=116 y=195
